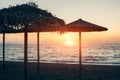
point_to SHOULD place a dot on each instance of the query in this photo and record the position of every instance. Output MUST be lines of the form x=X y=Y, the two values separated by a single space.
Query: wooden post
x=80 y=55
x=3 y=51
x=25 y=54
x=38 y=56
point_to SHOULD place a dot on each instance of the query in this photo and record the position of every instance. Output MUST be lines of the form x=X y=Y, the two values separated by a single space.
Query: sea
x=107 y=54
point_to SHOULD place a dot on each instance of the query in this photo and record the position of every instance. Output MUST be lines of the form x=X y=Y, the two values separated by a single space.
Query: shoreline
x=84 y=63
x=57 y=71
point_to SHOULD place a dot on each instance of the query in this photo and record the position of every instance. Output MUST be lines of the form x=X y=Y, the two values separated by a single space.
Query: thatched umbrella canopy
x=83 y=26
x=6 y=29
x=29 y=18
x=29 y=15
x=47 y=25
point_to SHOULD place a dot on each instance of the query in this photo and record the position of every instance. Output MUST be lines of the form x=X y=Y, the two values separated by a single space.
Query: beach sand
x=52 y=71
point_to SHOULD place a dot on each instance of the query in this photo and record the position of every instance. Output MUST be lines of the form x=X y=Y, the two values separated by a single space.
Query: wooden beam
x=80 y=55
x=3 y=51
x=25 y=54
x=38 y=55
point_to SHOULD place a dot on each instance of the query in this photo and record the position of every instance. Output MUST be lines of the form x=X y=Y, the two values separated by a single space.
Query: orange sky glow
x=69 y=38
x=105 y=13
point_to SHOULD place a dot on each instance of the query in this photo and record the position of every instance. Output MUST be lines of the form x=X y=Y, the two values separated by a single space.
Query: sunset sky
x=101 y=12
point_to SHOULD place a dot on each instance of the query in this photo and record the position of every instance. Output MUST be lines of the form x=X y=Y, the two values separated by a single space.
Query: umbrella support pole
x=3 y=51
x=80 y=55
x=38 y=56
x=25 y=54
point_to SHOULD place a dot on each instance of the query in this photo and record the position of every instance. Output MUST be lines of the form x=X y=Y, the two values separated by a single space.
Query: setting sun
x=69 y=42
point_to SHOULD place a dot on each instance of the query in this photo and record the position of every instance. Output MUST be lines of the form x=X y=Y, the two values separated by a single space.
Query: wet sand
x=52 y=71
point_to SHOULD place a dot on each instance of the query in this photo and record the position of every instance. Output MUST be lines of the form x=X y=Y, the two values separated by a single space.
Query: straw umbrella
x=29 y=18
x=3 y=30
x=83 y=26
x=52 y=25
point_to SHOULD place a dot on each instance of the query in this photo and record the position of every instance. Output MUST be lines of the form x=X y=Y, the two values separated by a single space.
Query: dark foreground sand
x=48 y=71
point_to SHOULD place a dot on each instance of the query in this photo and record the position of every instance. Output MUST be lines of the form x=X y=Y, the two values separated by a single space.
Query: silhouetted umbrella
x=3 y=30
x=29 y=15
x=83 y=26
x=29 y=18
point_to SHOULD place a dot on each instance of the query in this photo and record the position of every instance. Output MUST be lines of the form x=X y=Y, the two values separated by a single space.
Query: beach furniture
x=83 y=26
x=27 y=18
